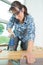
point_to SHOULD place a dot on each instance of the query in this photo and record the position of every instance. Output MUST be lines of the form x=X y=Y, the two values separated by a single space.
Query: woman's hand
x=30 y=57
x=11 y=35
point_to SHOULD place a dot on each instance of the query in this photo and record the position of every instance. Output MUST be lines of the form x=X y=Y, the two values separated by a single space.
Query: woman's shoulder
x=29 y=16
x=13 y=17
x=29 y=19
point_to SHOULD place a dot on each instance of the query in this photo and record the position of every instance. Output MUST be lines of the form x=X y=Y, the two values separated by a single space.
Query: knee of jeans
x=24 y=48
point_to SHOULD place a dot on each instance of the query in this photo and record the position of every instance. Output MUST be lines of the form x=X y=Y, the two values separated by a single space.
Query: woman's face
x=19 y=14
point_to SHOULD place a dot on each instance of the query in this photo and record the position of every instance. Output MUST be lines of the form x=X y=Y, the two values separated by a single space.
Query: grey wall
x=35 y=8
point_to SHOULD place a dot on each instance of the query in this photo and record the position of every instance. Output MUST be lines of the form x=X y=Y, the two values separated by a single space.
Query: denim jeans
x=14 y=47
x=13 y=43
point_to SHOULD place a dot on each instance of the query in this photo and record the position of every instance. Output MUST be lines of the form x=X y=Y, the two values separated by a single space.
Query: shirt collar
x=26 y=18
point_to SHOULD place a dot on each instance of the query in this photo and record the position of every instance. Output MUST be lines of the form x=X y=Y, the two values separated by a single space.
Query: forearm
x=10 y=30
x=30 y=46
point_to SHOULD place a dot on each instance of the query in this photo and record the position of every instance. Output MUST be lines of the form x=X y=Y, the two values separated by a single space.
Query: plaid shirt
x=25 y=31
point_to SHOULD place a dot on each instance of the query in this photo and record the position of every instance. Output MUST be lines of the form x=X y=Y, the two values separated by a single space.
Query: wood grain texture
x=17 y=54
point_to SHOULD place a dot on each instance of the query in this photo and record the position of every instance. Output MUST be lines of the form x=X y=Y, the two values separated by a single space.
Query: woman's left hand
x=30 y=57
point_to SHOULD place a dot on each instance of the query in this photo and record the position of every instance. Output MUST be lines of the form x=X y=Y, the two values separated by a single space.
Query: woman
x=24 y=29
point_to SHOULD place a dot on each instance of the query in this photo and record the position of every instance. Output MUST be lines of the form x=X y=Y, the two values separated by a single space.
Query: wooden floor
x=39 y=61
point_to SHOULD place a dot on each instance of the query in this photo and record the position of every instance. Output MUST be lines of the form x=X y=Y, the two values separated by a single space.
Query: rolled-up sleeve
x=31 y=29
x=10 y=23
x=30 y=34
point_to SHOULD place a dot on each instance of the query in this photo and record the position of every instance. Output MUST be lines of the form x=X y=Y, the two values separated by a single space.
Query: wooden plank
x=3 y=45
x=17 y=54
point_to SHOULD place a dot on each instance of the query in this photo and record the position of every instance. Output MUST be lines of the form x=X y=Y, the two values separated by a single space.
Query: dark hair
x=15 y=4
x=25 y=10
x=19 y=5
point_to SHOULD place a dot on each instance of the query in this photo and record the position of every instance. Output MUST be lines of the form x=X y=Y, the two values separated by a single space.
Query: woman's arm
x=30 y=46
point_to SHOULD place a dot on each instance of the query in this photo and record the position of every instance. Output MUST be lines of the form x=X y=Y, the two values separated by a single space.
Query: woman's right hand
x=10 y=32
x=12 y=35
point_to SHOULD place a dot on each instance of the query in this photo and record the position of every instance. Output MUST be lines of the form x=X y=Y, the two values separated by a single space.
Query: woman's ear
x=23 y=9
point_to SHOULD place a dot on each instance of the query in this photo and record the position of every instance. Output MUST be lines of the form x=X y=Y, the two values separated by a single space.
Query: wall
x=35 y=8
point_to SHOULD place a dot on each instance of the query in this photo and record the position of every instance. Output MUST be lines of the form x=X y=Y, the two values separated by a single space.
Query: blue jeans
x=13 y=43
